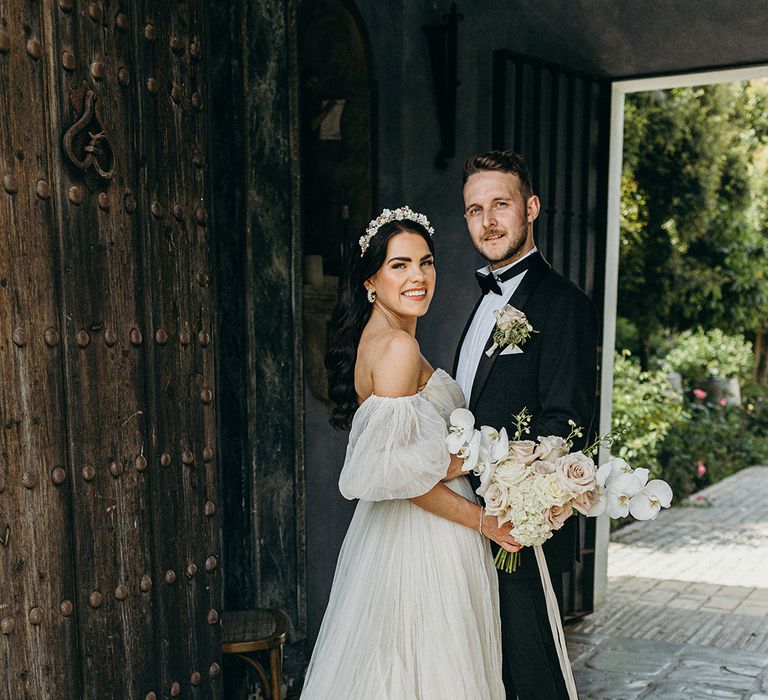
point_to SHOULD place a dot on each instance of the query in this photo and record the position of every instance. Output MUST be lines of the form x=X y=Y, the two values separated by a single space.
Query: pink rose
x=557 y=515
x=577 y=472
x=701 y=469
x=551 y=447
x=495 y=499
x=584 y=502
x=542 y=467
x=700 y=394
x=508 y=316
x=522 y=451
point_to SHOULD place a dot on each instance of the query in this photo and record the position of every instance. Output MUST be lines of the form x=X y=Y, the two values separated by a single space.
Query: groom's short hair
x=503 y=161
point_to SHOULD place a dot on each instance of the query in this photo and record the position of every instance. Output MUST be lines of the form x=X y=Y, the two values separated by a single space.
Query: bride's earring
x=371 y=296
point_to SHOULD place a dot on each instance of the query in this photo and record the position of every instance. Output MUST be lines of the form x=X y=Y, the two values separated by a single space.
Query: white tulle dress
x=414 y=609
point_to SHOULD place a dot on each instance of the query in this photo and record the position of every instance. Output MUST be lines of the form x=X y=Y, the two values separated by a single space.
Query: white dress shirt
x=482 y=325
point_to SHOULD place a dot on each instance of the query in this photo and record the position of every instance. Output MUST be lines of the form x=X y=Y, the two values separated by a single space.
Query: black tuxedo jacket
x=555 y=378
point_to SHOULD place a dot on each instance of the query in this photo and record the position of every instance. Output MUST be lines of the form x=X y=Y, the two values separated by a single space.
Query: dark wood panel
x=227 y=166
x=173 y=211
x=104 y=340
x=274 y=305
x=37 y=596
x=108 y=455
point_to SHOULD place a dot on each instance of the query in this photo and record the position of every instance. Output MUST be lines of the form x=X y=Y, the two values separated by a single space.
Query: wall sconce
x=442 y=35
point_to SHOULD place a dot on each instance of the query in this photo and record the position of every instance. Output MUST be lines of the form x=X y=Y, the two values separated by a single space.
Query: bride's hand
x=454 y=468
x=502 y=536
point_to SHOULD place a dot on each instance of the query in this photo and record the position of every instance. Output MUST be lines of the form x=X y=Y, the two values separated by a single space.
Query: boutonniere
x=512 y=328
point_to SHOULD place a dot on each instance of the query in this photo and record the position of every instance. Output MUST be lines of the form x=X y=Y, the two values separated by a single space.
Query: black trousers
x=530 y=664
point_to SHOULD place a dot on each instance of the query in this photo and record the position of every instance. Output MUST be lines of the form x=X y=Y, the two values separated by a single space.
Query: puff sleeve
x=396 y=449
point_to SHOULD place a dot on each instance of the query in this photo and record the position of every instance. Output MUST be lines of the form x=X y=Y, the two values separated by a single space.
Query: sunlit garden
x=690 y=398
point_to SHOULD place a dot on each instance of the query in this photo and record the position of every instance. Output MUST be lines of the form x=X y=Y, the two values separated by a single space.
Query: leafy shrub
x=716 y=442
x=627 y=335
x=644 y=410
x=755 y=401
x=700 y=354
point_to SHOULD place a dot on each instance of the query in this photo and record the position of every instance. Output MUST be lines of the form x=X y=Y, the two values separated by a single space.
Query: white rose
x=552 y=490
x=510 y=472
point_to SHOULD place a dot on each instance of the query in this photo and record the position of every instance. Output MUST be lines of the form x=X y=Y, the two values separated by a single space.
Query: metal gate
x=559 y=119
x=109 y=539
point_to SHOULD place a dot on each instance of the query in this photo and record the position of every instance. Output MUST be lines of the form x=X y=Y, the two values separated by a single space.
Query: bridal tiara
x=388 y=215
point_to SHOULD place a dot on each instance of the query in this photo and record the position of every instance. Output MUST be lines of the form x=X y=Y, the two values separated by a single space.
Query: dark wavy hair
x=352 y=313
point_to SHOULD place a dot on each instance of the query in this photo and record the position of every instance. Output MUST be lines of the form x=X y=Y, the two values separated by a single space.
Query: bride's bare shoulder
x=393 y=362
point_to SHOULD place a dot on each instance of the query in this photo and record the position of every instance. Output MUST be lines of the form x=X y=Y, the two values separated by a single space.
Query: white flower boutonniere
x=512 y=328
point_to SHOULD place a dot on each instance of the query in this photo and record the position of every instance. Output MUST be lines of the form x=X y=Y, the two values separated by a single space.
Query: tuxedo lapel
x=536 y=272
x=464 y=335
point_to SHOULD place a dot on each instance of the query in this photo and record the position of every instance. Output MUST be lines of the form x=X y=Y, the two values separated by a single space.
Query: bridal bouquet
x=537 y=485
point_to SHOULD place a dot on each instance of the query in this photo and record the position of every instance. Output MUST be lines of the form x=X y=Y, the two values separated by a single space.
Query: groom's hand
x=501 y=535
x=454 y=468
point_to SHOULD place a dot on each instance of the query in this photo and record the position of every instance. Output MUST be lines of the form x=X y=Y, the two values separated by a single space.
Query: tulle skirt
x=413 y=612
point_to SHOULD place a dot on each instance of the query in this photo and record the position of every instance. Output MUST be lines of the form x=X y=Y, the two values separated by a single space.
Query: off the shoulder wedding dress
x=414 y=609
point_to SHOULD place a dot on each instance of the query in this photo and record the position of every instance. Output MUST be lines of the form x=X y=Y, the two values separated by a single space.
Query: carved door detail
x=109 y=544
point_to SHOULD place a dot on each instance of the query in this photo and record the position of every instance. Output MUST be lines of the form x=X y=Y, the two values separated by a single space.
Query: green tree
x=693 y=212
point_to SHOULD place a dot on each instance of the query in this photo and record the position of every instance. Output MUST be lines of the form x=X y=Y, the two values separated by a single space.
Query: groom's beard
x=516 y=240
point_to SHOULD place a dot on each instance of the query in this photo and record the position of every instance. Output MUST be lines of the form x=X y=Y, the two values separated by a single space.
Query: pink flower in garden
x=701 y=469
x=723 y=402
x=700 y=394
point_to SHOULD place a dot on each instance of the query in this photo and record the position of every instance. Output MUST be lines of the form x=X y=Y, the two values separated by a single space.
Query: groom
x=554 y=377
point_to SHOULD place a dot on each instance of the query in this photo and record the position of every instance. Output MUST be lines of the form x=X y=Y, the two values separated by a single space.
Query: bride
x=414 y=610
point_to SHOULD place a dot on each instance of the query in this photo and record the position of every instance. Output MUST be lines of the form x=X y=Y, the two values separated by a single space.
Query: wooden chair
x=247 y=632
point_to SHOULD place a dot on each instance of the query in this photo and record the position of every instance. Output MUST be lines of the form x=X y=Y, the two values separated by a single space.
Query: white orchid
x=462 y=429
x=470 y=452
x=486 y=472
x=616 y=465
x=625 y=491
x=646 y=503
x=494 y=444
x=620 y=488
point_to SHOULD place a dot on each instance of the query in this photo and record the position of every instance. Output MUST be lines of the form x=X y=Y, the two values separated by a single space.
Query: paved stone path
x=686 y=614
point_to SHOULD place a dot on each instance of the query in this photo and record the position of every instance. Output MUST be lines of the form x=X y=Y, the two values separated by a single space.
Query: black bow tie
x=490 y=282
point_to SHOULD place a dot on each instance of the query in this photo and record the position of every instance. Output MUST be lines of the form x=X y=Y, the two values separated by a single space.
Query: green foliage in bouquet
x=644 y=411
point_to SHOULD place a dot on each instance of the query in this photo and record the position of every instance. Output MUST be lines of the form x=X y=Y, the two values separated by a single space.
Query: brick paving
x=686 y=615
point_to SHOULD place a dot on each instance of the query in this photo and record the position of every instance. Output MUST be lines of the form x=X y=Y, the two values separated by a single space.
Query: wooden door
x=559 y=119
x=109 y=539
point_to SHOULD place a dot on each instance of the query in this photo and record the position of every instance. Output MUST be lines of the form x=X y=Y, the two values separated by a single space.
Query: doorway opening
x=621 y=92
